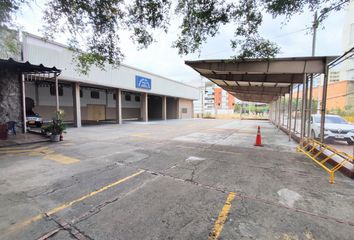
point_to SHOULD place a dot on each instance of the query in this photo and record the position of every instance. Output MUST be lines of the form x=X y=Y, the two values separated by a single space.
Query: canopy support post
x=310 y=107
x=323 y=105
x=290 y=110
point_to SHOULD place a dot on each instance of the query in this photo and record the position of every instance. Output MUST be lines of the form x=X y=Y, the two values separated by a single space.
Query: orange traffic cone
x=259 y=138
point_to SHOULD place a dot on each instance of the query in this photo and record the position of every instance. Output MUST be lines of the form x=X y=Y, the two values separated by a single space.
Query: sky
x=160 y=58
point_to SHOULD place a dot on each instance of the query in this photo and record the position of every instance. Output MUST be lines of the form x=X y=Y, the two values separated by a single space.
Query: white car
x=336 y=128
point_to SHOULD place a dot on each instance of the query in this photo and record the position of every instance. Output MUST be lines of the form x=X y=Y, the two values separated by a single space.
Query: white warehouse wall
x=38 y=51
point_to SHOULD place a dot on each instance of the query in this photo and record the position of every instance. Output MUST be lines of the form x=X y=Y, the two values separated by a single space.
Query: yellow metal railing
x=313 y=149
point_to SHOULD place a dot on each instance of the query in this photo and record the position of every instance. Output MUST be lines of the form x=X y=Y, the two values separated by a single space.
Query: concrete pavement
x=171 y=180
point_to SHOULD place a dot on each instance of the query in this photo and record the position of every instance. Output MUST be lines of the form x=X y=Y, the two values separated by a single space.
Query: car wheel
x=350 y=142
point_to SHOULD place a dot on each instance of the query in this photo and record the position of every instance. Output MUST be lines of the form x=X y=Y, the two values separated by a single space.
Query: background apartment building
x=340 y=93
x=213 y=100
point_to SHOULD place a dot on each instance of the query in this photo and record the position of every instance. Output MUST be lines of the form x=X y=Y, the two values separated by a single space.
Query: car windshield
x=331 y=119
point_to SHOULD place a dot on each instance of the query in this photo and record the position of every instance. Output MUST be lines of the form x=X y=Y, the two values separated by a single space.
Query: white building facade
x=347 y=72
x=112 y=94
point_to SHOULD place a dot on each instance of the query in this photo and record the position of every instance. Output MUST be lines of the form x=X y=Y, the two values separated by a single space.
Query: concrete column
x=283 y=122
x=144 y=107
x=23 y=103
x=279 y=113
x=164 y=108
x=56 y=93
x=77 y=105
x=178 y=111
x=119 y=118
x=36 y=93
x=106 y=106
x=275 y=104
x=192 y=109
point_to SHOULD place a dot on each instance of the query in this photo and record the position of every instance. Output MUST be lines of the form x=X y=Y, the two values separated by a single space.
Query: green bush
x=57 y=126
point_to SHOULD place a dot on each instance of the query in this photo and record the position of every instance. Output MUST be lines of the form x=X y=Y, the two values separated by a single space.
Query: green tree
x=94 y=25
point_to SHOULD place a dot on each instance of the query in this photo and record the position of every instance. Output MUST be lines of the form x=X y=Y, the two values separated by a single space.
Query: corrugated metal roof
x=260 y=80
x=25 y=67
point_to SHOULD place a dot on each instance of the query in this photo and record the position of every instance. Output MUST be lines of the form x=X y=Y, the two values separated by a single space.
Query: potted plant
x=57 y=127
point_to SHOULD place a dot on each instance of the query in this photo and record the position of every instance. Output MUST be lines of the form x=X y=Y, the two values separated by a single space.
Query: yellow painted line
x=48 y=154
x=139 y=134
x=31 y=150
x=68 y=204
x=18 y=147
x=15 y=151
x=219 y=224
x=61 y=158
x=68 y=144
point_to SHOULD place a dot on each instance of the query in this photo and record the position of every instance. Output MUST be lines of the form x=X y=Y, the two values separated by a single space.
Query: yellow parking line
x=68 y=204
x=16 y=151
x=61 y=158
x=139 y=134
x=17 y=147
x=22 y=150
x=47 y=153
x=219 y=224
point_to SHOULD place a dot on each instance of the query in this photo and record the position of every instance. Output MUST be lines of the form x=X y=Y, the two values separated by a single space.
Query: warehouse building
x=110 y=95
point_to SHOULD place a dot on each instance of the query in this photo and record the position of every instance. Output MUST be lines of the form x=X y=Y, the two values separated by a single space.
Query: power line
x=289 y=33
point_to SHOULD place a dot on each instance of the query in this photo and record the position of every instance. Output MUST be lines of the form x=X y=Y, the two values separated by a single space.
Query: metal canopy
x=260 y=80
x=25 y=67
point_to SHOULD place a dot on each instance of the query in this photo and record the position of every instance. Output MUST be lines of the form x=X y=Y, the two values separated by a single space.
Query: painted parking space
x=214 y=185
x=20 y=225
x=45 y=153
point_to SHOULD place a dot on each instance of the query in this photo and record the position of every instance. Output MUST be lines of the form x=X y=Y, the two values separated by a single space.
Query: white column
x=106 y=106
x=164 y=108
x=119 y=118
x=36 y=93
x=77 y=105
x=144 y=107
x=57 y=92
x=24 y=104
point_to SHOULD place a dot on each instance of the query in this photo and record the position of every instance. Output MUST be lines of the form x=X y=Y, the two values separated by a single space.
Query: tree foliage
x=95 y=25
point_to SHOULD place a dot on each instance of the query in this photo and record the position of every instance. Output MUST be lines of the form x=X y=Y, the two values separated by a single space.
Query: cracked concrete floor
x=170 y=180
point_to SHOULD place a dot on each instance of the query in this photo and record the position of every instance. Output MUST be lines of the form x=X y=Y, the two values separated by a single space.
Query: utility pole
x=314 y=27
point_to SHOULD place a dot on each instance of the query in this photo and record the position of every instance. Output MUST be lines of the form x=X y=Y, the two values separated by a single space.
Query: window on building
x=52 y=90
x=95 y=94
x=127 y=97
x=81 y=94
x=114 y=96
x=184 y=110
x=137 y=98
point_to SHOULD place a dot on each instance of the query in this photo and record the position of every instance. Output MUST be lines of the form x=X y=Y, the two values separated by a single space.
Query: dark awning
x=260 y=80
x=25 y=67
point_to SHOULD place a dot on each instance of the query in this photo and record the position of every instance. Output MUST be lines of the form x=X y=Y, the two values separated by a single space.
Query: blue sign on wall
x=142 y=82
